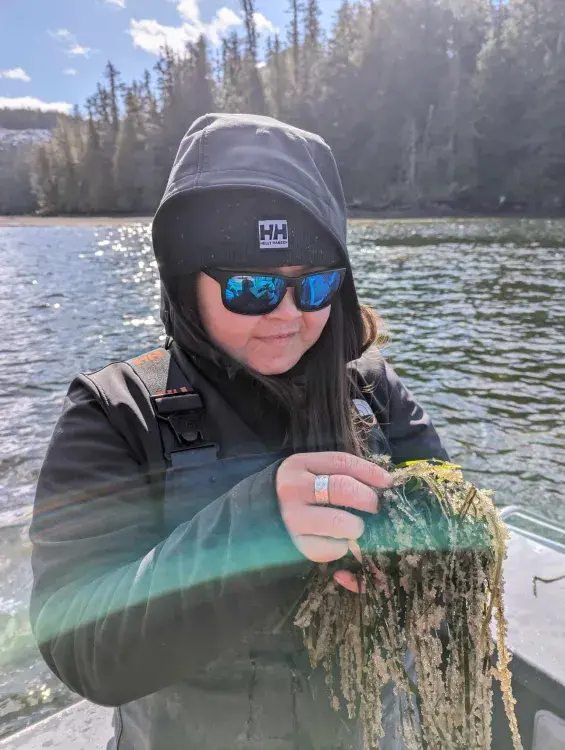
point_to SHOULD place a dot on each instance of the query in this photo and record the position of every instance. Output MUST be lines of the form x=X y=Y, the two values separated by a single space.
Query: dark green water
x=476 y=316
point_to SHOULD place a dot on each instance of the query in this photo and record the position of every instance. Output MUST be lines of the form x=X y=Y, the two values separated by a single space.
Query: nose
x=287 y=309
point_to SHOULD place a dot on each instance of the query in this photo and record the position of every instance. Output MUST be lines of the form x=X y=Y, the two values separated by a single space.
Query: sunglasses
x=261 y=293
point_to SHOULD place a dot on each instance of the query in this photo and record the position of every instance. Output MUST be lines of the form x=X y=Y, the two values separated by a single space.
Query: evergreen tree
x=278 y=80
x=254 y=95
x=310 y=62
x=168 y=84
x=506 y=83
x=340 y=108
x=202 y=82
x=64 y=168
x=44 y=182
x=94 y=167
x=113 y=76
x=231 y=93
x=312 y=29
x=424 y=102
x=16 y=194
x=149 y=101
x=294 y=40
x=547 y=151
x=132 y=169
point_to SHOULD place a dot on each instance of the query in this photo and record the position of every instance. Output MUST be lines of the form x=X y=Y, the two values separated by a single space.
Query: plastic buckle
x=170 y=403
x=182 y=411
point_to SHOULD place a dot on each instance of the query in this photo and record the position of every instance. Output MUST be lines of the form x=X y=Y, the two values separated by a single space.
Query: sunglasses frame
x=222 y=277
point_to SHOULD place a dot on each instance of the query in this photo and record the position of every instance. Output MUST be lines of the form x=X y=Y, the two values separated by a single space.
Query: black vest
x=263 y=694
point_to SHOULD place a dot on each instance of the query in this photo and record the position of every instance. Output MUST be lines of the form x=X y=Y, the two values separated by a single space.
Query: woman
x=170 y=595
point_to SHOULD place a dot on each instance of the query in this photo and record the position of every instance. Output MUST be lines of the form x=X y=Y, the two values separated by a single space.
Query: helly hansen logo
x=273 y=234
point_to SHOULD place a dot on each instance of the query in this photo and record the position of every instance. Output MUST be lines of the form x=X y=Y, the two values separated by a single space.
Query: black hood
x=251 y=152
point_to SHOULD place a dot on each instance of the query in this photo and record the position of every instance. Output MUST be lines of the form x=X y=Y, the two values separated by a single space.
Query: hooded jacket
x=169 y=595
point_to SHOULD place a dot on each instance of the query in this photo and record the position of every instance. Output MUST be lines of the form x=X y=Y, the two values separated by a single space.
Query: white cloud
x=29 y=102
x=151 y=36
x=70 y=72
x=74 y=49
x=119 y=3
x=262 y=23
x=15 y=74
x=63 y=34
x=189 y=9
x=224 y=20
x=78 y=50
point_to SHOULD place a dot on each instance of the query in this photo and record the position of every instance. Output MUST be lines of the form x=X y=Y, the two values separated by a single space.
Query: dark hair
x=318 y=400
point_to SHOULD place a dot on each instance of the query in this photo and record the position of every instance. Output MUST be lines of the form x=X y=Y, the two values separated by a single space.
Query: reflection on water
x=476 y=314
x=478 y=332
x=28 y=690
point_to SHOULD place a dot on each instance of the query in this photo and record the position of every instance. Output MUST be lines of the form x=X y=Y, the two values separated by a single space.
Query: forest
x=454 y=105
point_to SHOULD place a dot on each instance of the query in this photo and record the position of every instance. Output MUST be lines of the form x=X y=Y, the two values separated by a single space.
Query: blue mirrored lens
x=253 y=295
x=317 y=289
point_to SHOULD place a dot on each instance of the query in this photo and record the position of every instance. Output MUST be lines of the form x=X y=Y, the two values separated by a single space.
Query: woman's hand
x=324 y=533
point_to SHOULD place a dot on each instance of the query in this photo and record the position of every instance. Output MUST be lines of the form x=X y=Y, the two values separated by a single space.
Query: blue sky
x=54 y=51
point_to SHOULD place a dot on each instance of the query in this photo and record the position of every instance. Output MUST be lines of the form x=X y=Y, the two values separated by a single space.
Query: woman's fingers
x=325 y=522
x=333 y=462
x=348 y=580
x=348 y=492
x=355 y=550
x=322 y=533
x=320 y=549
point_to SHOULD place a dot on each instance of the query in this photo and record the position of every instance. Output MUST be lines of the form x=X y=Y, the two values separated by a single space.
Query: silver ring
x=321 y=489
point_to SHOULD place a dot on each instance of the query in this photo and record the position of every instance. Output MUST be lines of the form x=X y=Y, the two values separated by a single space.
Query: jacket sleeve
x=118 y=610
x=407 y=428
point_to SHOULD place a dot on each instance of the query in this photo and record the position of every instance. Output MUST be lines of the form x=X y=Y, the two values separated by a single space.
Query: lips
x=278 y=337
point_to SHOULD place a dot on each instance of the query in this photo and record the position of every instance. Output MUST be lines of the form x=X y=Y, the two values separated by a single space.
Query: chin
x=276 y=366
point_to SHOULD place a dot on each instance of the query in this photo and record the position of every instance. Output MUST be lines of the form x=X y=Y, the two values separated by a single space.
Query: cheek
x=230 y=331
x=227 y=330
x=314 y=324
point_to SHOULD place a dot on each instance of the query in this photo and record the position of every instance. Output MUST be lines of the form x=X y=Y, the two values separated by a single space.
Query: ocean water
x=476 y=317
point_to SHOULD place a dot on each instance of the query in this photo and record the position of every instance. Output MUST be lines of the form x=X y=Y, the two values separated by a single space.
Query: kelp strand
x=539 y=579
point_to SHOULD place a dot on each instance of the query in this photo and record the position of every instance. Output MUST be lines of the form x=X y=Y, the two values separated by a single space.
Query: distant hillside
x=27 y=119
x=19 y=131
x=10 y=139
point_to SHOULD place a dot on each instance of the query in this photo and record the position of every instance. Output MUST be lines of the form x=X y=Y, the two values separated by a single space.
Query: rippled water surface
x=476 y=316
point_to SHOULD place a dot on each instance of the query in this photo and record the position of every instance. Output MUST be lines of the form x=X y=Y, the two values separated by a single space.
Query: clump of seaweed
x=430 y=574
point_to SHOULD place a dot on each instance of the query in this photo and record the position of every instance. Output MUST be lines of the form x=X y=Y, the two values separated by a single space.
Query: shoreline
x=414 y=214
x=72 y=221
x=356 y=215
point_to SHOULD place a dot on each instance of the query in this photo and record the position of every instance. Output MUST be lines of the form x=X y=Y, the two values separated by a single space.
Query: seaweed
x=430 y=577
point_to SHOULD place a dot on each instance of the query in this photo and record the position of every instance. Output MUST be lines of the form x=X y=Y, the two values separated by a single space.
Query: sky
x=53 y=52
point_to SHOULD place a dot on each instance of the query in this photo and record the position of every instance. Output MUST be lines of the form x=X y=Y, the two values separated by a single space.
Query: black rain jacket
x=169 y=595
